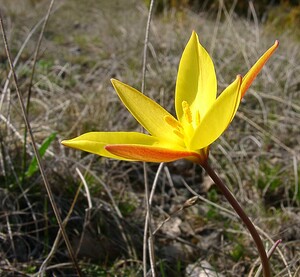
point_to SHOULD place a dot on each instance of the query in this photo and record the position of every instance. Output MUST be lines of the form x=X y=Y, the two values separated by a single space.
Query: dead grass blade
x=233 y=215
x=43 y=267
x=266 y=133
x=36 y=152
x=36 y=52
x=269 y=254
x=147 y=228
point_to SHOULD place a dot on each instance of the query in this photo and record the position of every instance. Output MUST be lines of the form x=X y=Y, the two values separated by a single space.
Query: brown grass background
x=84 y=45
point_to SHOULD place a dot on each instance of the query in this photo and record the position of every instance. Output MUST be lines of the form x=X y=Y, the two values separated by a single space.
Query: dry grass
x=83 y=47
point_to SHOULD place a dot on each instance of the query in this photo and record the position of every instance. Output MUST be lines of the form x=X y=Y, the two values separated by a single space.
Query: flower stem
x=241 y=213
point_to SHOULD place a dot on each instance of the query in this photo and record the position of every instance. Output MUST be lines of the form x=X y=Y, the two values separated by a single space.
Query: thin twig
x=5 y=87
x=188 y=203
x=147 y=220
x=158 y=171
x=262 y=232
x=221 y=208
x=216 y=28
x=37 y=49
x=148 y=214
x=295 y=166
x=255 y=19
x=127 y=239
x=235 y=172
x=36 y=152
x=231 y=25
x=58 y=236
x=266 y=133
x=169 y=178
x=146 y=41
x=17 y=57
x=151 y=236
x=269 y=254
x=87 y=216
x=43 y=267
x=88 y=195
x=10 y=234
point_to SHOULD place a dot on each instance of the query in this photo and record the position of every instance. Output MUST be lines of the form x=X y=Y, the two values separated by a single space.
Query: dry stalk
x=36 y=152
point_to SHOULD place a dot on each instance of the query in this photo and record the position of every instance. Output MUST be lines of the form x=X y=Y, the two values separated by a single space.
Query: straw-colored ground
x=84 y=45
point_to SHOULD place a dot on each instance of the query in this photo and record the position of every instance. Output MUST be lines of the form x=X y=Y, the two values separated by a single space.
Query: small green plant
x=237 y=252
x=33 y=165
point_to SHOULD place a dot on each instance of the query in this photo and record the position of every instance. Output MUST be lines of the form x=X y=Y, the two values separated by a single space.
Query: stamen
x=178 y=133
x=172 y=122
x=197 y=118
x=187 y=111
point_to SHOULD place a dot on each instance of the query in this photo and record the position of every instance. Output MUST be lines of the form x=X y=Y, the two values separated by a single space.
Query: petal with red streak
x=148 y=153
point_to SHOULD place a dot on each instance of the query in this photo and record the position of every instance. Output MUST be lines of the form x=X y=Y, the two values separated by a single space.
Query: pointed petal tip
x=114 y=81
x=64 y=142
x=274 y=46
x=239 y=76
x=118 y=85
x=67 y=143
x=239 y=79
x=194 y=36
x=257 y=67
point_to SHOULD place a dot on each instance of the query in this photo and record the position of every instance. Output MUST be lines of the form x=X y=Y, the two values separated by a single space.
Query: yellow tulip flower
x=201 y=116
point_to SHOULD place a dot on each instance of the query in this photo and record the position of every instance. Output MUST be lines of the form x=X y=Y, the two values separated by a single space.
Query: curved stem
x=241 y=213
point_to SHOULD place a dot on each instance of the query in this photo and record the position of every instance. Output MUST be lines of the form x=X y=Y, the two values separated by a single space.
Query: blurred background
x=85 y=43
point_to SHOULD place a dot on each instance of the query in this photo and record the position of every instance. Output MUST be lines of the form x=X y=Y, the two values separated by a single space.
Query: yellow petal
x=146 y=111
x=147 y=153
x=218 y=116
x=240 y=80
x=256 y=68
x=95 y=142
x=196 y=81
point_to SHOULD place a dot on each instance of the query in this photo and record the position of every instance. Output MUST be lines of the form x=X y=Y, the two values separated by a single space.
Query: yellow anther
x=187 y=112
x=172 y=122
x=178 y=133
x=197 y=118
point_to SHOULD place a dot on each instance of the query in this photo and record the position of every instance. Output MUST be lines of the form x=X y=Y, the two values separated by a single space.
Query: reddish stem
x=241 y=213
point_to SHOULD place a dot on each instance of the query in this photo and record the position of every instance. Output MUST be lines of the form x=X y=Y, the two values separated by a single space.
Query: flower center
x=178 y=130
x=189 y=116
x=186 y=129
x=187 y=112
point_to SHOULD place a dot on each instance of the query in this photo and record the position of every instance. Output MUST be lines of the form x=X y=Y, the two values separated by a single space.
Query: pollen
x=187 y=112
